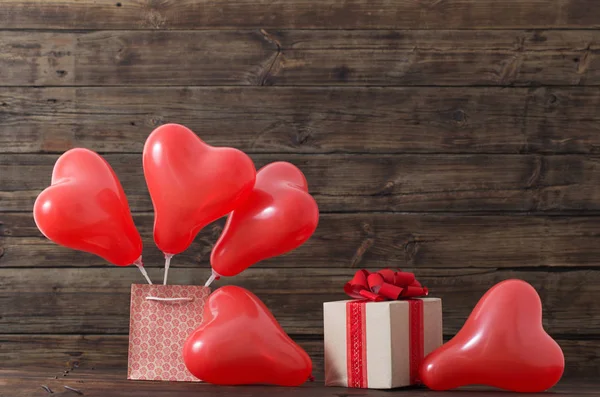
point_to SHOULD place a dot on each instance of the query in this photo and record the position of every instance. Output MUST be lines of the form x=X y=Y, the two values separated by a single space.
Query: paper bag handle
x=156 y=298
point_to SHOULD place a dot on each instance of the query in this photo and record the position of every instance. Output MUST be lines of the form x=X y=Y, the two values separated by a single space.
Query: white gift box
x=379 y=345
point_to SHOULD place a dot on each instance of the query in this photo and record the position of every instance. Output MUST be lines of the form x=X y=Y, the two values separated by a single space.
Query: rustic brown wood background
x=459 y=139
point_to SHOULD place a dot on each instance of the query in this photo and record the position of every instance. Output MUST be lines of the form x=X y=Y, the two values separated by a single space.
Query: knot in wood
x=459 y=116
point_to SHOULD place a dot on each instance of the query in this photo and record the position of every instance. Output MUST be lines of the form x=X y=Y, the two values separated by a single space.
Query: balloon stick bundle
x=191 y=184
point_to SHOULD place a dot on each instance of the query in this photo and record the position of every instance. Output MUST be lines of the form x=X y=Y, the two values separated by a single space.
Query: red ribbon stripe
x=356 y=344
x=416 y=338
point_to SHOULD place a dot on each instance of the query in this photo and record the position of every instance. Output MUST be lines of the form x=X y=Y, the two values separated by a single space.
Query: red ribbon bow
x=383 y=285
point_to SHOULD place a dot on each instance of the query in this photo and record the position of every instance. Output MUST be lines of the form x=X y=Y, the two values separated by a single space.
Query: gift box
x=378 y=344
x=161 y=319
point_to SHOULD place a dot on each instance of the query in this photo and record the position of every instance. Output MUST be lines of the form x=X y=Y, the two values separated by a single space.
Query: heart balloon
x=278 y=216
x=502 y=344
x=241 y=343
x=191 y=184
x=85 y=208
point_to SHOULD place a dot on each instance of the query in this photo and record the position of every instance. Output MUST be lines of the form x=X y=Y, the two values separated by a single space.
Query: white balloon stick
x=167 y=265
x=140 y=265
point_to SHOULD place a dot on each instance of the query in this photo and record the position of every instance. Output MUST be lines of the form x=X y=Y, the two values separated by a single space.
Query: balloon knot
x=311 y=378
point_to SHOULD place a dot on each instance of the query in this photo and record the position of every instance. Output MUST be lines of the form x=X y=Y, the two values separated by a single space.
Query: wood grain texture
x=96 y=301
x=360 y=240
x=26 y=384
x=301 y=58
x=206 y=14
x=444 y=58
x=64 y=352
x=458 y=139
x=105 y=356
x=83 y=354
x=36 y=58
x=363 y=183
x=306 y=119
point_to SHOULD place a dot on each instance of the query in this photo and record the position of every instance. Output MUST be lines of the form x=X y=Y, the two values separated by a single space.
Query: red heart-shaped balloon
x=85 y=208
x=278 y=216
x=241 y=343
x=191 y=184
x=502 y=344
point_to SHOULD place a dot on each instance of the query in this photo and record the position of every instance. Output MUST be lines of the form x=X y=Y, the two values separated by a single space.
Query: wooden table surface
x=112 y=383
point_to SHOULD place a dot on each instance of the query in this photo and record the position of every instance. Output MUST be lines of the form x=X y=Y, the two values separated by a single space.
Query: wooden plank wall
x=459 y=139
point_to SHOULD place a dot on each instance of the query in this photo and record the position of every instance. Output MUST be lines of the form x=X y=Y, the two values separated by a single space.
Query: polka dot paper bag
x=162 y=317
